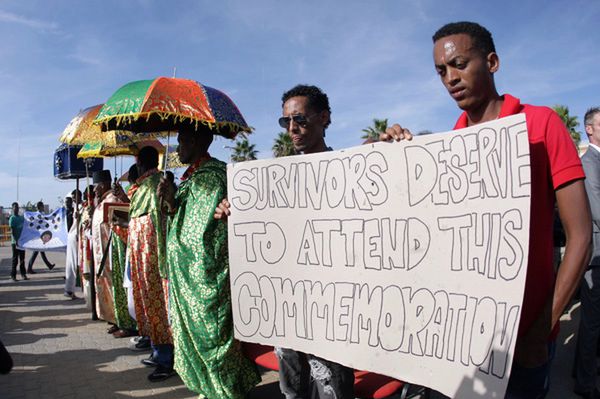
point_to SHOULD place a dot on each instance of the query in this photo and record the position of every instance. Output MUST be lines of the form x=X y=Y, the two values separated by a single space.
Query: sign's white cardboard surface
x=406 y=259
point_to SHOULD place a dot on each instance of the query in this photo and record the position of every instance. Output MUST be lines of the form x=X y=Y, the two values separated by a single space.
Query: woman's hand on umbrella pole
x=222 y=210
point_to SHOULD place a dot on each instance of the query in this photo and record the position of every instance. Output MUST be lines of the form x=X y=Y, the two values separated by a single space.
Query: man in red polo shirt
x=465 y=59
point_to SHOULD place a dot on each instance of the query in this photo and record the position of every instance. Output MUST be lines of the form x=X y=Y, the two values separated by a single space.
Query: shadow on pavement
x=12 y=321
x=270 y=391
x=27 y=338
x=63 y=375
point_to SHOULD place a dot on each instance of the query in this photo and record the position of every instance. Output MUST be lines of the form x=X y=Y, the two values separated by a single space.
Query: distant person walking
x=18 y=255
x=50 y=266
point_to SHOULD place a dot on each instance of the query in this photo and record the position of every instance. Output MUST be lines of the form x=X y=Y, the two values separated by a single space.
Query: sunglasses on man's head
x=299 y=119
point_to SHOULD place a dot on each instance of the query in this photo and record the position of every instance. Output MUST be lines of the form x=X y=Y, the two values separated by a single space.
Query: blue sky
x=373 y=59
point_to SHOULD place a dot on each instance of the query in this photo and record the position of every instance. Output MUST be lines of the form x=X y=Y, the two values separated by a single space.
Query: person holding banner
x=49 y=265
x=207 y=357
x=306 y=116
x=18 y=255
x=466 y=60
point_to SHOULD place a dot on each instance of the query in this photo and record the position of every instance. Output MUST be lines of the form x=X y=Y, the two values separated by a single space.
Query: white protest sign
x=406 y=259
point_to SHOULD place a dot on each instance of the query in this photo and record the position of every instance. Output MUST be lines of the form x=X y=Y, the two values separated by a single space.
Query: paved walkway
x=59 y=352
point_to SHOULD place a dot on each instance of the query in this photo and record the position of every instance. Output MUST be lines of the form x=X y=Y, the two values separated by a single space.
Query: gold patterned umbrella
x=81 y=131
x=173 y=160
x=115 y=145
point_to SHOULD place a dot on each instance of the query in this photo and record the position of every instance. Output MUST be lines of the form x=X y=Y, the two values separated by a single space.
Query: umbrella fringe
x=177 y=118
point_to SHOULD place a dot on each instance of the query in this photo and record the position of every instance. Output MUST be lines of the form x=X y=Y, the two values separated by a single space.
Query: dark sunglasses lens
x=300 y=119
x=284 y=122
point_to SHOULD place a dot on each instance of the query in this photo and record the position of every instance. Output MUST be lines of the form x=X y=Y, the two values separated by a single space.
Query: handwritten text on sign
x=406 y=259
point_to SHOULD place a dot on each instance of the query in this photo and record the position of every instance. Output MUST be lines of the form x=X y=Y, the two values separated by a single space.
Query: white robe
x=72 y=260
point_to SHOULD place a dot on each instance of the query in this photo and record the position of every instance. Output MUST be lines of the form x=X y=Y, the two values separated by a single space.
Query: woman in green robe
x=207 y=357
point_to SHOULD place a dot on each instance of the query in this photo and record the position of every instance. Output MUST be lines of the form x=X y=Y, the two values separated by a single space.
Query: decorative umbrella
x=165 y=104
x=99 y=150
x=80 y=129
x=121 y=145
x=173 y=160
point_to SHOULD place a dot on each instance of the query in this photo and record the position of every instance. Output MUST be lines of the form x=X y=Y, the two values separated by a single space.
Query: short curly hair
x=482 y=38
x=317 y=100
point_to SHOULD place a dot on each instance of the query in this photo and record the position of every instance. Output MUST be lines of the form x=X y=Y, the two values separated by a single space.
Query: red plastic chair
x=367 y=385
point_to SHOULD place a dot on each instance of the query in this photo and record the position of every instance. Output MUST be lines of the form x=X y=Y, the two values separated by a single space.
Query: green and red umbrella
x=167 y=104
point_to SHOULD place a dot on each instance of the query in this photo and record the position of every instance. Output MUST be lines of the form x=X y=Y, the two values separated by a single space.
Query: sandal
x=112 y=329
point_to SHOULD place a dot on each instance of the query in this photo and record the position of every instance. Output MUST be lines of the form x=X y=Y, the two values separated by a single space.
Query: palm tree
x=372 y=132
x=570 y=122
x=283 y=145
x=243 y=150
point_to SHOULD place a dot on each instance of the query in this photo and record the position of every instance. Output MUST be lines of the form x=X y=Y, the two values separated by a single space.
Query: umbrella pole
x=167 y=218
x=166 y=161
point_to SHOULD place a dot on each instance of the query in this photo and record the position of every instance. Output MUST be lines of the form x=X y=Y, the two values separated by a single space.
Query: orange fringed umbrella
x=167 y=104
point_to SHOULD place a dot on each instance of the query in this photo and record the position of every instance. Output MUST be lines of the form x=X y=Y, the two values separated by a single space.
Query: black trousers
x=305 y=376
x=32 y=259
x=589 y=331
x=17 y=255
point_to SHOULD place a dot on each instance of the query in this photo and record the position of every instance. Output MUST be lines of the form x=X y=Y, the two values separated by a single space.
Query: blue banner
x=44 y=232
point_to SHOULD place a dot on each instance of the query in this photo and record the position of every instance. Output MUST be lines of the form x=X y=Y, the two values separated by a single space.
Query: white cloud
x=85 y=59
x=35 y=24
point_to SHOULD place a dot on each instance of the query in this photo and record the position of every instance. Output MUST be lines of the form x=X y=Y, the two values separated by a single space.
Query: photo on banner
x=44 y=232
x=406 y=259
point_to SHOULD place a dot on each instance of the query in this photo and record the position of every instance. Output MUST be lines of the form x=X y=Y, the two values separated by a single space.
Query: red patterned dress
x=148 y=260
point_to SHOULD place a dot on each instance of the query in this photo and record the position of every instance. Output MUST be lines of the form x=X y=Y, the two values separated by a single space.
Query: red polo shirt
x=554 y=162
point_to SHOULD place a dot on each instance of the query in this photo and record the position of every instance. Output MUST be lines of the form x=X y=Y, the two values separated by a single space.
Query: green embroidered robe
x=145 y=201
x=207 y=357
